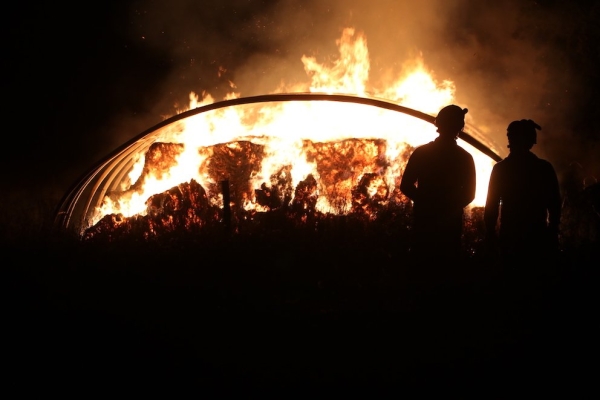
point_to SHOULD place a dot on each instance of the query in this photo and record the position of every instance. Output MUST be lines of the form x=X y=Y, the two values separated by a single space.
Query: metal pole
x=226 y=206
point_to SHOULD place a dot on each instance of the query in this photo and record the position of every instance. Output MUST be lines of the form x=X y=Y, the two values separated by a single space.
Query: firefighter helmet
x=451 y=117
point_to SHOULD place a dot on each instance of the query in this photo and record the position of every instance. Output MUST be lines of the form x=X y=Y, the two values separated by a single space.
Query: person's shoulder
x=544 y=163
x=422 y=148
x=500 y=164
x=464 y=153
x=425 y=145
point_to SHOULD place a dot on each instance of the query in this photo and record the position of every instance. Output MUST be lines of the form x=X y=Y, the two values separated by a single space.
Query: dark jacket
x=524 y=193
x=440 y=180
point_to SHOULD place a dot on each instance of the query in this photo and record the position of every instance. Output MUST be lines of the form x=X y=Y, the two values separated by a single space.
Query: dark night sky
x=81 y=81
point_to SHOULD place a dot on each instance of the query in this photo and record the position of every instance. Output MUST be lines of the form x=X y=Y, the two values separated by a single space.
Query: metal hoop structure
x=88 y=192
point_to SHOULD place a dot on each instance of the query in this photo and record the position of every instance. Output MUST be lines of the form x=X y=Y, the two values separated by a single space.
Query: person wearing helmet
x=439 y=178
x=523 y=205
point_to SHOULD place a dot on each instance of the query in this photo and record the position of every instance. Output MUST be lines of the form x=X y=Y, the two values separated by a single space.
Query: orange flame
x=283 y=129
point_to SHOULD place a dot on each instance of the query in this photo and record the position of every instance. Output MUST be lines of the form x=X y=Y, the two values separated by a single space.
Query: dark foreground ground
x=294 y=317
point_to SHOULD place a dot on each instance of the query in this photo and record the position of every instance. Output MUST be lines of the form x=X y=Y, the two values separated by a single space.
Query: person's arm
x=554 y=201
x=470 y=183
x=492 y=204
x=408 y=184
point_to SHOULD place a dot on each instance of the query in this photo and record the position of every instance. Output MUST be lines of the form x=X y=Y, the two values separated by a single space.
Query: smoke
x=104 y=78
x=508 y=59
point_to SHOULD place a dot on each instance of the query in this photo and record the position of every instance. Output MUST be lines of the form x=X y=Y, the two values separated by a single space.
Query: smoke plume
x=105 y=77
x=508 y=59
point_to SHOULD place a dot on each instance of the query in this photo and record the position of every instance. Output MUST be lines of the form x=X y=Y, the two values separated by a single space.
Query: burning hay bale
x=370 y=196
x=160 y=158
x=341 y=164
x=233 y=162
x=184 y=208
x=351 y=177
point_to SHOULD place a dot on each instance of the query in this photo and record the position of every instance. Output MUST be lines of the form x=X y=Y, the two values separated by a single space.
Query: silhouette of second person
x=523 y=206
x=439 y=178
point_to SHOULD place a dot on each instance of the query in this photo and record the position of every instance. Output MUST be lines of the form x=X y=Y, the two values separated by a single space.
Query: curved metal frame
x=122 y=156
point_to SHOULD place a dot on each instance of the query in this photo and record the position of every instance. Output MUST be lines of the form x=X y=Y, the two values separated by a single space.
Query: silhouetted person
x=523 y=206
x=440 y=180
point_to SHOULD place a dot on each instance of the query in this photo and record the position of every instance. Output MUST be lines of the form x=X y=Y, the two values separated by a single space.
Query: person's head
x=522 y=134
x=450 y=121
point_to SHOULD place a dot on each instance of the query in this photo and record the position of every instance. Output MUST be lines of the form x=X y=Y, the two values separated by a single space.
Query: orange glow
x=288 y=132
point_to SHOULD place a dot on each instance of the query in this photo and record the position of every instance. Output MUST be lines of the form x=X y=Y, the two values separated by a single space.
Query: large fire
x=277 y=147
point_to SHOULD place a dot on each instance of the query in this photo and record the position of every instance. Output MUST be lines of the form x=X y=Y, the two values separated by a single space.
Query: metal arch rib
x=73 y=196
x=347 y=98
